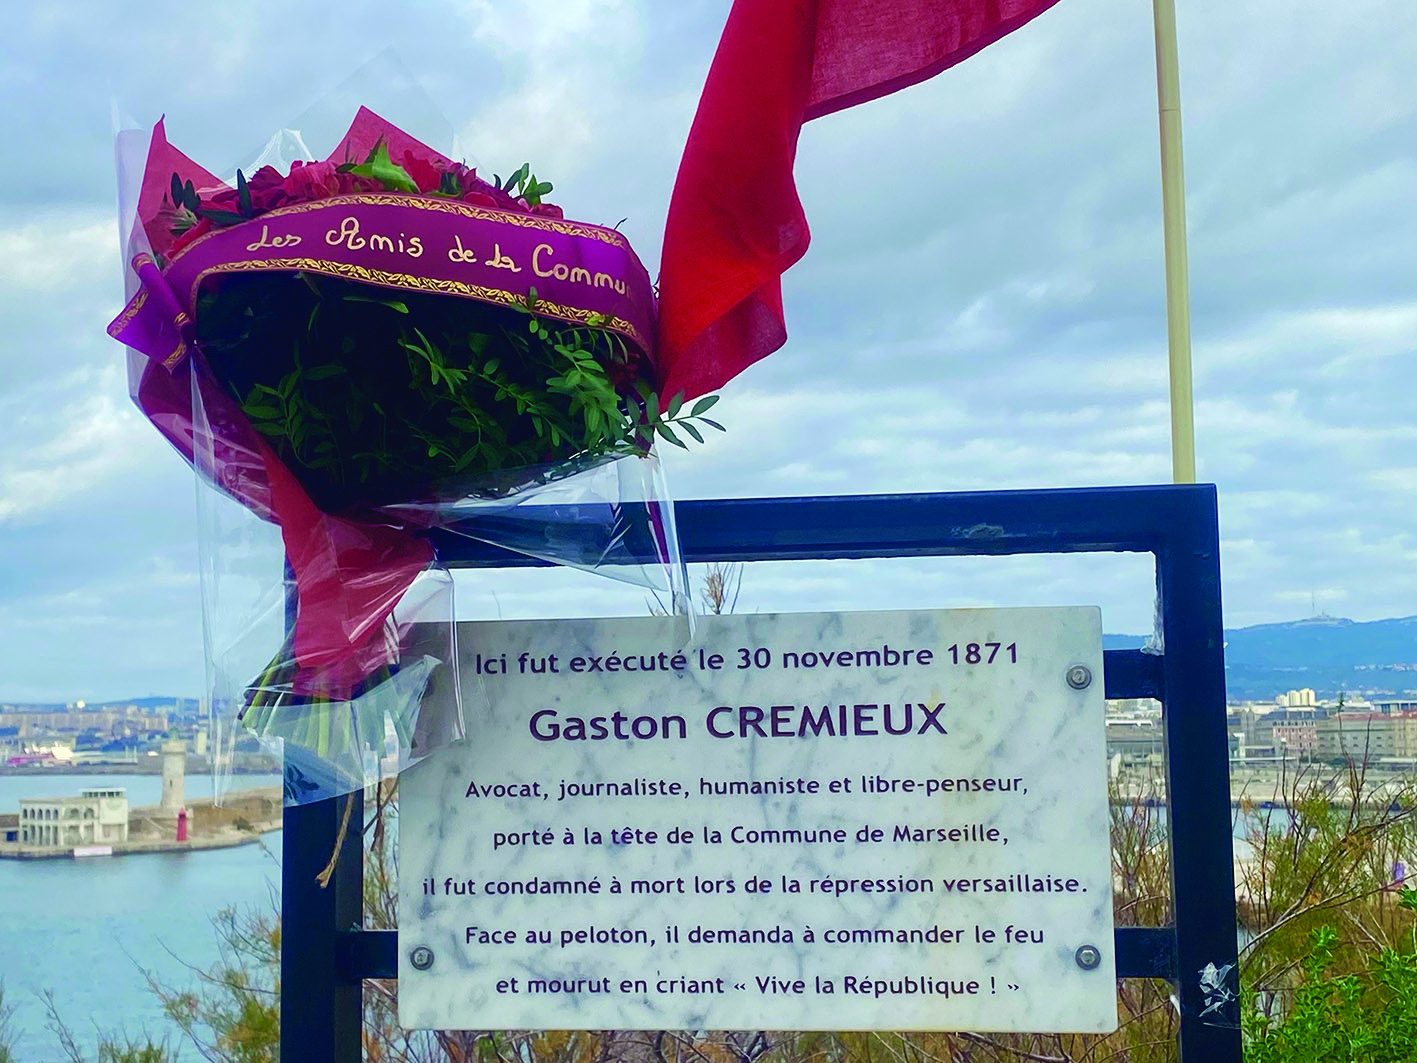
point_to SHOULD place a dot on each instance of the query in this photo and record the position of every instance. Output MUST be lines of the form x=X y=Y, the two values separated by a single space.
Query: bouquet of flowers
x=382 y=342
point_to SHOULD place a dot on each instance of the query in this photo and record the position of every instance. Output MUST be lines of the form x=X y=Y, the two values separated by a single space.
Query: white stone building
x=95 y=817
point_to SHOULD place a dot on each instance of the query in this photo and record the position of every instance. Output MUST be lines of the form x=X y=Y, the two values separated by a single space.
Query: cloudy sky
x=982 y=306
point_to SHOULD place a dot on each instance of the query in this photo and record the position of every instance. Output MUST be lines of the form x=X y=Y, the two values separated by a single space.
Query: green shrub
x=1369 y=1016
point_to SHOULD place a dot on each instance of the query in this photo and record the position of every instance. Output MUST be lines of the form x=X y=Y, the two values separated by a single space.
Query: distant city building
x=1367 y=737
x=1134 y=731
x=1294 y=730
x=95 y=817
x=1394 y=705
x=1297 y=699
x=1134 y=740
x=1296 y=738
x=107 y=721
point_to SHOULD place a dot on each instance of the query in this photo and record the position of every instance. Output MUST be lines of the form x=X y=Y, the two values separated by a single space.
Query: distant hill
x=149 y=703
x=1328 y=653
x=153 y=702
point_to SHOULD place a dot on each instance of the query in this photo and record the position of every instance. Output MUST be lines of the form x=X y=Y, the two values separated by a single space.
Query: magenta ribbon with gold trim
x=582 y=274
x=350 y=573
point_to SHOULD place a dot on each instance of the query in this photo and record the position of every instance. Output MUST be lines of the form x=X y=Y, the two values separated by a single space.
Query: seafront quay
x=239 y=818
x=1269 y=786
x=100 y=821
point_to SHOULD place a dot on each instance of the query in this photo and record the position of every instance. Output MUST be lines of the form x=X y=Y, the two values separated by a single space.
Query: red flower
x=202 y=227
x=504 y=199
x=311 y=180
x=266 y=190
x=481 y=199
x=267 y=187
x=425 y=175
x=484 y=193
x=350 y=183
x=466 y=175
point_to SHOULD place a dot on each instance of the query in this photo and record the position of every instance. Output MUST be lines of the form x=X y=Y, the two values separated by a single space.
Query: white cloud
x=58 y=255
x=1332 y=342
x=92 y=439
x=565 y=79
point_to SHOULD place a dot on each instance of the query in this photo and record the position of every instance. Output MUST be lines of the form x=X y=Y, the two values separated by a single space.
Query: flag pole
x=1173 y=220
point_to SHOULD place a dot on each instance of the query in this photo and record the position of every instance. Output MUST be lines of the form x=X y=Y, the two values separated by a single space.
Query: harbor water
x=86 y=930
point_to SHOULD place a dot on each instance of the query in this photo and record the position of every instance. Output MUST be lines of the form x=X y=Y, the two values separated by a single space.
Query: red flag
x=735 y=223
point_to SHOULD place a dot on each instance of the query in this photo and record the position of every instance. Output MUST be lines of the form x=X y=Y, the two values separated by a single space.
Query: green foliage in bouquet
x=365 y=392
x=523 y=184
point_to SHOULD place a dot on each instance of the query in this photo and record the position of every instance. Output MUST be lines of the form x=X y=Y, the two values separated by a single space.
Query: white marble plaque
x=826 y=821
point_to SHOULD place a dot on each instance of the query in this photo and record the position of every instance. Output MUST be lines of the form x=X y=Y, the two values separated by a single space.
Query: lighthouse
x=174 y=772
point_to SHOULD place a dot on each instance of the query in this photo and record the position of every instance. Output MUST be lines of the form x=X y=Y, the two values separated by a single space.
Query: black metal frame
x=325 y=954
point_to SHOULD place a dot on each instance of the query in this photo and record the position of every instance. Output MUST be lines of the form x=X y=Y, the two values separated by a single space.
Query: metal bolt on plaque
x=1079 y=677
x=1088 y=957
x=421 y=958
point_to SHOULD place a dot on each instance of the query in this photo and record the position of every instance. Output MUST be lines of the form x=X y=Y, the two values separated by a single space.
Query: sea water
x=87 y=929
